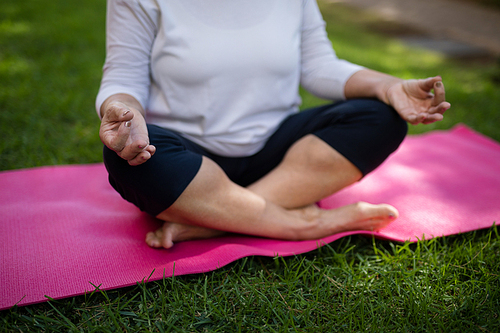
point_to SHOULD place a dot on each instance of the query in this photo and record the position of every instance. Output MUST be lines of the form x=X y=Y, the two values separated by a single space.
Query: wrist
x=368 y=83
x=386 y=87
x=124 y=101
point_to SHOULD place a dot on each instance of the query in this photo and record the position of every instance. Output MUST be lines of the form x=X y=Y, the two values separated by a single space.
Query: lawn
x=51 y=54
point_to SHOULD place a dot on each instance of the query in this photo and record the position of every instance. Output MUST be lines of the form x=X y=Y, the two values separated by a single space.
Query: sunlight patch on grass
x=14 y=65
x=424 y=58
x=10 y=28
x=401 y=60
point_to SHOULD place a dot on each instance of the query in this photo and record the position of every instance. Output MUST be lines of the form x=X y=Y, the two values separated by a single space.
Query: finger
x=412 y=119
x=436 y=113
x=126 y=116
x=439 y=94
x=117 y=112
x=441 y=108
x=151 y=149
x=428 y=84
x=119 y=136
x=131 y=151
x=140 y=158
x=416 y=119
x=415 y=88
x=432 y=118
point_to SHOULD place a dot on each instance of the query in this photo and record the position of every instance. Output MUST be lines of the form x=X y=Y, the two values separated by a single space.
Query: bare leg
x=311 y=171
x=170 y=232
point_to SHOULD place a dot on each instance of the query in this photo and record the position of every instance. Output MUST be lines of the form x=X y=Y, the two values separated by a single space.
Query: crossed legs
x=280 y=184
x=280 y=205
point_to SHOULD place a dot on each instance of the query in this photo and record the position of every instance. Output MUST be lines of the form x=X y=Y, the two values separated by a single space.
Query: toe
x=391 y=211
x=152 y=240
x=374 y=217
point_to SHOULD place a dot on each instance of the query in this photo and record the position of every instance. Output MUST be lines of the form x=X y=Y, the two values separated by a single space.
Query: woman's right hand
x=123 y=130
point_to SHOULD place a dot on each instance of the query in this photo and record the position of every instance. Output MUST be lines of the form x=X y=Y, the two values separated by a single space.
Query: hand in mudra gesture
x=123 y=130
x=419 y=101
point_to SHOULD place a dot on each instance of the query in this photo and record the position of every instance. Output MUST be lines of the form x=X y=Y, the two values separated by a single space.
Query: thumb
x=428 y=84
x=122 y=135
x=117 y=112
x=115 y=128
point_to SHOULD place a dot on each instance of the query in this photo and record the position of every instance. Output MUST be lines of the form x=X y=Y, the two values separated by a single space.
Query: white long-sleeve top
x=223 y=73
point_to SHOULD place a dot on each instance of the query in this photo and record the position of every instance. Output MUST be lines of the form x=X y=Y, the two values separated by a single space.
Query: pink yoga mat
x=63 y=229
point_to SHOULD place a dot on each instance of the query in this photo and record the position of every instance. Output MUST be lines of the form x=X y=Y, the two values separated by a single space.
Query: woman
x=199 y=106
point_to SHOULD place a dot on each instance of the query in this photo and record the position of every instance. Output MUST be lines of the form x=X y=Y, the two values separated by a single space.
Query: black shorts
x=364 y=131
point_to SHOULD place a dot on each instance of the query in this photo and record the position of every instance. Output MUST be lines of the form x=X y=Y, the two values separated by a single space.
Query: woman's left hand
x=419 y=101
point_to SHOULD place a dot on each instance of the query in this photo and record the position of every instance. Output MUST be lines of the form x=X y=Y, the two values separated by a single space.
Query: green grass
x=354 y=284
x=51 y=54
x=472 y=87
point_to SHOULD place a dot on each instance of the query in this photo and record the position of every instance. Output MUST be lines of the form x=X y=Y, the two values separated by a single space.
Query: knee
x=154 y=185
x=378 y=124
x=369 y=131
x=388 y=122
x=387 y=131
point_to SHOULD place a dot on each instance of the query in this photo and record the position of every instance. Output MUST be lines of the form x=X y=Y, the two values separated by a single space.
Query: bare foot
x=359 y=216
x=176 y=232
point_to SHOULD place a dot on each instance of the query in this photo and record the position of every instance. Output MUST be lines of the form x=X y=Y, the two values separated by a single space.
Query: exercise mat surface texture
x=64 y=230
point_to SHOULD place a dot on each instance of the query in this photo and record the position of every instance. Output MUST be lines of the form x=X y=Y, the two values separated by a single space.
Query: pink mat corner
x=64 y=229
